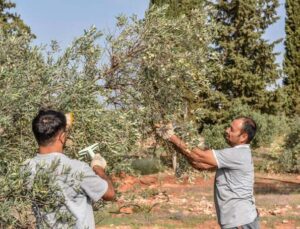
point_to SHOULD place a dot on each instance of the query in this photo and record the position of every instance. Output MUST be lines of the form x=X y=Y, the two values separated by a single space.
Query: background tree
x=205 y=103
x=247 y=60
x=11 y=22
x=292 y=56
x=178 y=7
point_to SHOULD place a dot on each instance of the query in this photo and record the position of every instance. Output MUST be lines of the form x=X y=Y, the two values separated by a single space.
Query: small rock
x=285 y=221
x=126 y=210
x=148 y=180
x=277 y=211
x=172 y=211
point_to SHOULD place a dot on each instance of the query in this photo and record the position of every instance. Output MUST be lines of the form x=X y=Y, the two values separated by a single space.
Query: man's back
x=79 y=186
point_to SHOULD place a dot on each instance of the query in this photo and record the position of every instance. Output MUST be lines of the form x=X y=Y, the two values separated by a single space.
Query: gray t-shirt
x=80 y=186
x=233 y=191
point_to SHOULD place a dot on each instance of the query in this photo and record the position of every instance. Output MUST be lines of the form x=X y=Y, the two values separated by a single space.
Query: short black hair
x=249 y=127
x=47 y=124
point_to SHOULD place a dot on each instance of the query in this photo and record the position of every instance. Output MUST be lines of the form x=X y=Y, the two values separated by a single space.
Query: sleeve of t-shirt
x=228 y=158
x=93 y=185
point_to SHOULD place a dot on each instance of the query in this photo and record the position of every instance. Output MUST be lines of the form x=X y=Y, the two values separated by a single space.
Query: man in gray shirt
x=233 y=188
x=78 y=183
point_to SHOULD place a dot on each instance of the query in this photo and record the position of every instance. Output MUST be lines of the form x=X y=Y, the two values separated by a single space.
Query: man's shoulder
x=226 y=150
x=62 y=158
x=75 y=164
x=237 y=148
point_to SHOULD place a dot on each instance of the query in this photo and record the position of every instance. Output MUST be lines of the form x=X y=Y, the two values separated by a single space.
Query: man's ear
x=62 y=135
x=244 y=137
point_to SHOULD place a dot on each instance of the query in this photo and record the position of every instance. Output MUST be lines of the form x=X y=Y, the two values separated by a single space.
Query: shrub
x=146 y=166
x=289 y=160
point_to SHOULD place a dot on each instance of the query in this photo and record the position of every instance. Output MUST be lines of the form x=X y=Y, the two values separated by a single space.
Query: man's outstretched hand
x=164 y=131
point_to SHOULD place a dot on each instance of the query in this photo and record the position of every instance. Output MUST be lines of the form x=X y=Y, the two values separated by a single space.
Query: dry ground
x=163 y=201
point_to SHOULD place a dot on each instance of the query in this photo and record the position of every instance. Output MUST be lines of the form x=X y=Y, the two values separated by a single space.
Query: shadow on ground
x=276 y=186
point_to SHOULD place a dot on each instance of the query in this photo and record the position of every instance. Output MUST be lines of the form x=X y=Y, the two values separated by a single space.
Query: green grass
x=159 y=219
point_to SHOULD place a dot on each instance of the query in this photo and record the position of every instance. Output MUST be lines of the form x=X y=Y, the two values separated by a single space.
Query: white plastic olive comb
x=88 y=151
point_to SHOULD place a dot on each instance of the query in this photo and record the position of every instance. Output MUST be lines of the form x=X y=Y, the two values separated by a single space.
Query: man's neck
x=50 y=149
x=241 y=145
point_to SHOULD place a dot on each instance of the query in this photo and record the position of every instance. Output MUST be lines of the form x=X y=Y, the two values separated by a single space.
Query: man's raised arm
x=199 y=159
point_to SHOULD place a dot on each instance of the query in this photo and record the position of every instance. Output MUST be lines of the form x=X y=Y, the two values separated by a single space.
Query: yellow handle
x=70 y=119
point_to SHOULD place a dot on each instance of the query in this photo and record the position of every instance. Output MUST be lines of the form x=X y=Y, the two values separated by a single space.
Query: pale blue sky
x=63 y=20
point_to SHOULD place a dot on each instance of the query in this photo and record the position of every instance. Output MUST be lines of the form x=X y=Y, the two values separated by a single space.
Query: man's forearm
x=110 y=193
x=201 y=165
x=182 y=146
x=199 y=159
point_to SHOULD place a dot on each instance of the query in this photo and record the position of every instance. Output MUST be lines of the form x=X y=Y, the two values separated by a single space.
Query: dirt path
x=162 y=201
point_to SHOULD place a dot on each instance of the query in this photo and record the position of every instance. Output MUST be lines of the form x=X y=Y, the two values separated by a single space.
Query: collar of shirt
x=242 y=146
x=52 y=154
